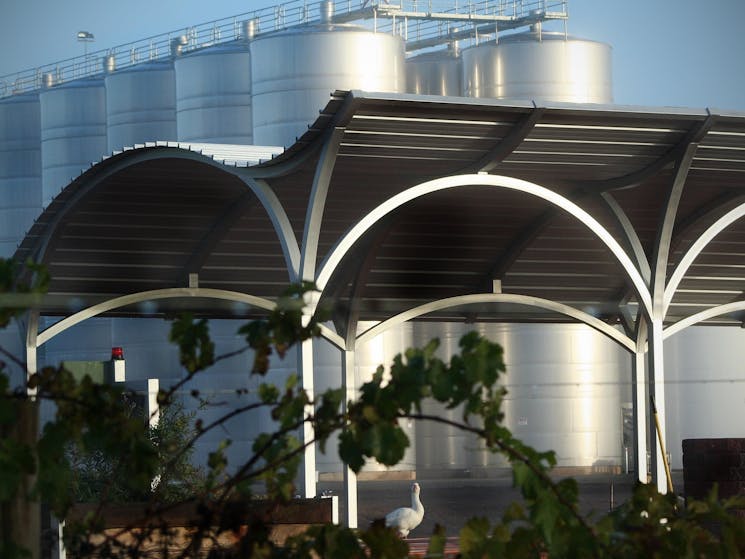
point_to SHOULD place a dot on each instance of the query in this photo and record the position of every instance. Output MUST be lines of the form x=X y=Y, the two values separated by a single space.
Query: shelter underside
x=381 y=204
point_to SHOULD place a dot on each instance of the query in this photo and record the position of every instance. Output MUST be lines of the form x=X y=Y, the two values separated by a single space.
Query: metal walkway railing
x=422 y=23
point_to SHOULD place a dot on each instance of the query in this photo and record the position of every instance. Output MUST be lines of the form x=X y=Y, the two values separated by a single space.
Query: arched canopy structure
x=155 y=216
x=403 y=207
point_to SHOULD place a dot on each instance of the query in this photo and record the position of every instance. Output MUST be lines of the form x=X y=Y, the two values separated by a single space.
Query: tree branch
x=513 y=453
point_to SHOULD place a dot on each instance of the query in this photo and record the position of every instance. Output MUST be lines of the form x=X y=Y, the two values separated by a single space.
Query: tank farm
x=260 y=79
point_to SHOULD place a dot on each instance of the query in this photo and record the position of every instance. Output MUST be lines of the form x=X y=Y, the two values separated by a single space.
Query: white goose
x=405 y=519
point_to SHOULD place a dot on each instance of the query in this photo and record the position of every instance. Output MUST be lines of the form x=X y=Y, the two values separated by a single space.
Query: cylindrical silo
x=213 y=95
x=539 y=66
x=440 y=447
x=704 y=386
x=565 y=397
x=327 y=374
x=20 y=168
x=73 y=132
x=435 y=73
x=141 y=104
x=295 y=71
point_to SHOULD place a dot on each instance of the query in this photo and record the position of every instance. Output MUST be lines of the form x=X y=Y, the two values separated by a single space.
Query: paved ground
x=451 y=502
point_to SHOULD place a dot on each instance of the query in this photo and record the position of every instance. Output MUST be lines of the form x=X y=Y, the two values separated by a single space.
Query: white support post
x=32 y=344
x=153 y=414
x=657 y=391
x=640 y=416
x=660 y=262
x=153 y=408
x=305 y=358
x=350 y=478
x=58 y=527
x=26 y=526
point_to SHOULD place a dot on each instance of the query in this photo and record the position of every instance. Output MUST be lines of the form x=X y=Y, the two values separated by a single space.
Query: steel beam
x=281 y=223
x=631 y=235
x=657 y=391
x=345 y=244
x=492 y=158
x=317 y=204
x=655 y=338
x=118 y=302
x=639 y=395
x=665 y=233
x=233 y=211
x=32 y=346
x=703 y=315
x=671 y=156
x=350 y=478
x=595 y=323
x=704 y=239
x=640 y=399
x=305 y=366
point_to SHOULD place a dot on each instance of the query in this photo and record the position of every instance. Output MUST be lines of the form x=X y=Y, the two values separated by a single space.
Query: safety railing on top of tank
x=422 y=23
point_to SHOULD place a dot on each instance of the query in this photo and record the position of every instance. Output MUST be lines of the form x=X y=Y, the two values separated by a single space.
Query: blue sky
x=685 y=53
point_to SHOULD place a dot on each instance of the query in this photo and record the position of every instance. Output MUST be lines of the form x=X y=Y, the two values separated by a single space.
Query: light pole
x=85 y=37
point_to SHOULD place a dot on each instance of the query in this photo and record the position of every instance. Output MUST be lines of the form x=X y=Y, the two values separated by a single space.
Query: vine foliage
x=96 y=418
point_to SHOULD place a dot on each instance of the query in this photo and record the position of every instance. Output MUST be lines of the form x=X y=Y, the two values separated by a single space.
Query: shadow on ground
x=451 y=502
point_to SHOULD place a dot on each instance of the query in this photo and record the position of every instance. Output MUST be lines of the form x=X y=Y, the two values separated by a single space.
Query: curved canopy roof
x=661 y=185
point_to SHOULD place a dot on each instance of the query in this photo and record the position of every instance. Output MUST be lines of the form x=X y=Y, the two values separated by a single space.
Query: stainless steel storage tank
x=141 y=104
x=20 y=168
x=541 y=66
x=327 y=374
x=213 y=95
x=435 y=73
x=566 y=397
x=73 y=131
x=148 y=354
x=294 y=72
x=704 y=386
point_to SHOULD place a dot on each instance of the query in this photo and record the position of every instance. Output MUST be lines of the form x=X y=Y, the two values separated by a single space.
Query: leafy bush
x=98 y=474
x=96 y=419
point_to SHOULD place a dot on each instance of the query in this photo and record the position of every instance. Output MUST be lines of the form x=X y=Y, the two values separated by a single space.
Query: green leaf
x=197 y=351
x=350 y=451
x=436 y=545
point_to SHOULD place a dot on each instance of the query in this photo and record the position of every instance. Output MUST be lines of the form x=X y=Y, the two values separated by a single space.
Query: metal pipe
x=327 y=11
x=662 y=447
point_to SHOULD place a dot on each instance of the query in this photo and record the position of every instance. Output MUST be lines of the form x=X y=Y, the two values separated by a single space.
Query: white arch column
x=305 y=366
x=350 y=478
x=656 y=382
x=306 y=272
x=32 y=345
x=656 y=314
x=639 y=395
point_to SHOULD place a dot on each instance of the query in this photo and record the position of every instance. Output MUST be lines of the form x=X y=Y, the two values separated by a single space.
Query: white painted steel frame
x=171 y=293
x=649 y=284
x=259 y=187
x=704 y=239
x=639 y=395
x=280 y=221
x=631 y=235
x=352 y=236
x=305 y=366
x=638 y=279
x=655 y=315
x=349 y=477
x=703 y=315
x=603 y=327
x=317 y=204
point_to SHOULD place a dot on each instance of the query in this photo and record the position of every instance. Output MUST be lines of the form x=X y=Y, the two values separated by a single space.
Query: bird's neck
x=416 y=504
